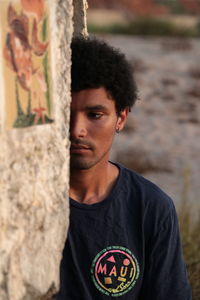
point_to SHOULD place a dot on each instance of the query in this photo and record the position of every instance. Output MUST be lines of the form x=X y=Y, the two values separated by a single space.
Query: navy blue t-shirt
x=125 y=247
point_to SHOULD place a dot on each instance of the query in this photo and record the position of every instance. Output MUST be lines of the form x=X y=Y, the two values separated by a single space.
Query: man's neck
x=92 y=185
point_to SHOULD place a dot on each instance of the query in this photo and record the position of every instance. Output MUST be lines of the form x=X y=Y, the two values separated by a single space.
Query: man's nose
x=77 y=127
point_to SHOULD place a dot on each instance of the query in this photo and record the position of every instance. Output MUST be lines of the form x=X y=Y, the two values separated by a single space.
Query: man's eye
x=94 y=115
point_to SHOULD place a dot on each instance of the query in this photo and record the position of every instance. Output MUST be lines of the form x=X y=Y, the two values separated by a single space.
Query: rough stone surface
x=34 y=184
x=79 y=18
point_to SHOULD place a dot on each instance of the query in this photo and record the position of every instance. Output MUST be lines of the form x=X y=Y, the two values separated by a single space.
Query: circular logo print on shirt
x=115 y=271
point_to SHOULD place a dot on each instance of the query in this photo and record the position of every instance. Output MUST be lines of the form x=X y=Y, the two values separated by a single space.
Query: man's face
x=92 y=127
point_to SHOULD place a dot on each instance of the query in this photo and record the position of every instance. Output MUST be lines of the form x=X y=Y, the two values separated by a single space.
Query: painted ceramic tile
x=25 y=57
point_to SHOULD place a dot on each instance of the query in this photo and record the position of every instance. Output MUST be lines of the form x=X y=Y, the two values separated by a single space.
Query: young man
x=123 y=240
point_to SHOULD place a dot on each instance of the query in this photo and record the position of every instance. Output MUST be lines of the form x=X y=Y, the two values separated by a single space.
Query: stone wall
x=79 y=18
x=34 y=165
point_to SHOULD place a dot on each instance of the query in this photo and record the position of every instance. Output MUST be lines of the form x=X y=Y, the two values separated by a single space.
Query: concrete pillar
x=34 y=154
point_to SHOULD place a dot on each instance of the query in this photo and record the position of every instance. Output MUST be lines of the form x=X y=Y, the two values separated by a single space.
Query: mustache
x=82 y=142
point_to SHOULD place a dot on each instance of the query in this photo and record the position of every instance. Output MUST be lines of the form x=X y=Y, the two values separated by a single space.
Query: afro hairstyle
x=96 y=64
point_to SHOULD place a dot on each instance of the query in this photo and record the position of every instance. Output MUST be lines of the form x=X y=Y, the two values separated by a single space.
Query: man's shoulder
x=144 y=189
x=145 y=197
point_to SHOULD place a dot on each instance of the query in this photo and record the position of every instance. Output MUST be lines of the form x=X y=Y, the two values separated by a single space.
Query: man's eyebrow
x=95 y=107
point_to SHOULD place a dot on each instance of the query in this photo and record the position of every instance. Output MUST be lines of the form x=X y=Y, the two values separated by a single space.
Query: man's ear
x=121 y=120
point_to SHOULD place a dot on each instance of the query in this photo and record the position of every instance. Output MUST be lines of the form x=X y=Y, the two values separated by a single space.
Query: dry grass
x=190 y=233
x=147 y=27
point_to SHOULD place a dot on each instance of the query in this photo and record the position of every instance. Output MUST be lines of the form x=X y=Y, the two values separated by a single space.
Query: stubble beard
x=78 y=162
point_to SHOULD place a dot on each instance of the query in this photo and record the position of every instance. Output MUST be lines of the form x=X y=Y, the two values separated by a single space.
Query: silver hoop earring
x=117 y=130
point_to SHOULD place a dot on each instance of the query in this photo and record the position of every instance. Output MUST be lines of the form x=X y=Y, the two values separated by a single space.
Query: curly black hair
x=96 y=64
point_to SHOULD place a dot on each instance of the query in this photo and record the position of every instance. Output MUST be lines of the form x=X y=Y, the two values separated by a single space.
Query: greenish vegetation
x=191 y=246
x=147 y=27
x=190 y=228
x=175 y=6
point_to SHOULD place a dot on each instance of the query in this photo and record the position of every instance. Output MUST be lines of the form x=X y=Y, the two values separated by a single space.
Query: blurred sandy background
x=161 y=140
x=162 y=137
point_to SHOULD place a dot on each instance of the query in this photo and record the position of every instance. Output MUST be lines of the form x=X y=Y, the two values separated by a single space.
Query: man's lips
x=79 y=146
x=76 y=148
